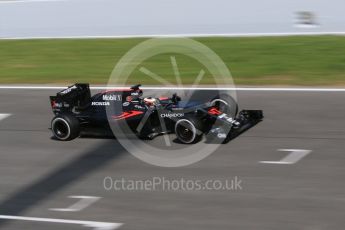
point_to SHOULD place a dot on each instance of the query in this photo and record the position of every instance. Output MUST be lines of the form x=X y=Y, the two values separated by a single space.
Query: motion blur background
x=233 y=29
x=29 y=18
x=288 y=43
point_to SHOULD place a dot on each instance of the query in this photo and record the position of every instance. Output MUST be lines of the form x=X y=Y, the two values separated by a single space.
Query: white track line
x=82 y=203
x=341 y=33
x=292 y=158
x=91 y=224
x=185 y=88
x=4 y=115
x=292 y=89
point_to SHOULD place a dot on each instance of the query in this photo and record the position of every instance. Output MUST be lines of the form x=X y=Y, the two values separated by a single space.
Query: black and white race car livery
x=77 y=112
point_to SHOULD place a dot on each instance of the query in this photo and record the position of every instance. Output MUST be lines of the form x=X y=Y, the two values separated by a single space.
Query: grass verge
x=296 y=60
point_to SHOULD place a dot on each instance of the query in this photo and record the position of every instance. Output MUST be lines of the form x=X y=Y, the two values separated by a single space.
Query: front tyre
x=65 y=127
x=188 y=130
x=225 y=104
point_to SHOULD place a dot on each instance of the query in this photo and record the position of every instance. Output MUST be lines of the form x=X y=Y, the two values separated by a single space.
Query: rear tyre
x=188 y=130
x=65 y=127
x=225 y=104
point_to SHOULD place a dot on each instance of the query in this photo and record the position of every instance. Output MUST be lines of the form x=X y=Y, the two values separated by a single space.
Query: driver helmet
x=150 y=101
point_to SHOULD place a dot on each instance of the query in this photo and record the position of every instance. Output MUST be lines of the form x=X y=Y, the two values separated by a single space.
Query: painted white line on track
x=84 y=202
x=4 y=115
x=292 y=158
x=90 y=224
x=282 y=34
x=185 y=88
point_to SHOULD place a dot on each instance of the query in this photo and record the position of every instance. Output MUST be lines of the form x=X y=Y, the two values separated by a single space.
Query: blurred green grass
x=296 y=60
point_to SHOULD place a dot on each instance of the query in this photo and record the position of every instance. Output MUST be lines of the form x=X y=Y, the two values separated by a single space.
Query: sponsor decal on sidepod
x=98 y=103
x=172 y=115
x=112 y=98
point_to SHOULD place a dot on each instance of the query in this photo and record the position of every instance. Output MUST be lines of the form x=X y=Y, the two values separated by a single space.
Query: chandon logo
x=171 y=115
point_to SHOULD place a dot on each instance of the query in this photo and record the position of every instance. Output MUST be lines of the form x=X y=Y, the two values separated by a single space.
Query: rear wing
x=75 y=96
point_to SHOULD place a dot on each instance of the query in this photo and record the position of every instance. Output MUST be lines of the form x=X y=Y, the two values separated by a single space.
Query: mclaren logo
x=172 y=115
x=68 y=90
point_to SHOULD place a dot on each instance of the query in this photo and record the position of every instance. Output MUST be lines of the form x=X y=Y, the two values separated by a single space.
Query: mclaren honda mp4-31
x=78 y=113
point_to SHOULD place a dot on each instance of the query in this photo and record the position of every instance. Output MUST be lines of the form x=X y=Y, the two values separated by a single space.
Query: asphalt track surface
x=38 y=173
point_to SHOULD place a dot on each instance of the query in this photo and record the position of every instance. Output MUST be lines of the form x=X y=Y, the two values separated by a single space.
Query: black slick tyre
x=65 y=127
x=226 y=104
x=188 y=130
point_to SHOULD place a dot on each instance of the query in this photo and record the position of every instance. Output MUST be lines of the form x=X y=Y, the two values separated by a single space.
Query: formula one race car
x=77 y=112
